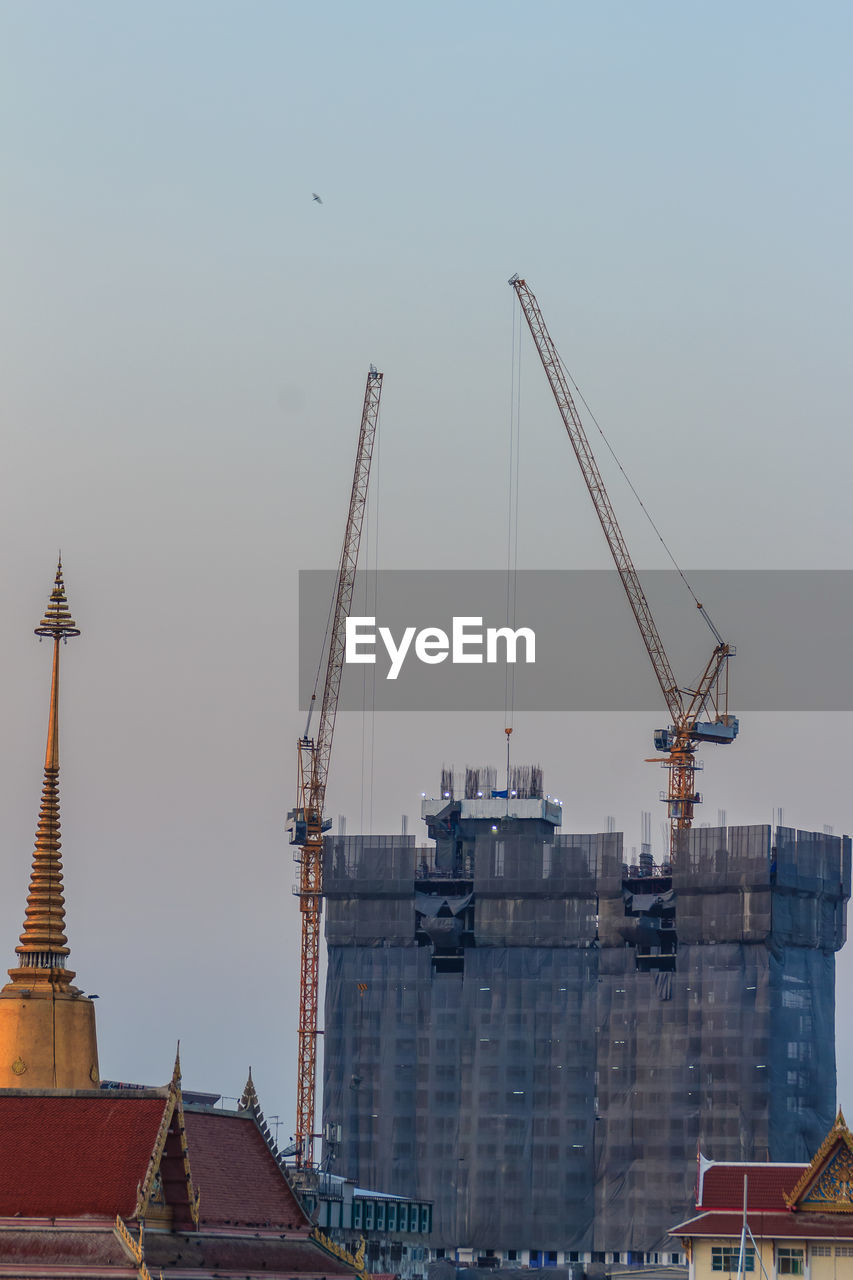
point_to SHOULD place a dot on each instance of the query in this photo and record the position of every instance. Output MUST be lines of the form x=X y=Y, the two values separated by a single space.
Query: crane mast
x=306 y=822
x=685 y=706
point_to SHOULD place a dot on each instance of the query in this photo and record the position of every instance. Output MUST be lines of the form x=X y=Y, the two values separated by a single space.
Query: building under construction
x=533 y=1034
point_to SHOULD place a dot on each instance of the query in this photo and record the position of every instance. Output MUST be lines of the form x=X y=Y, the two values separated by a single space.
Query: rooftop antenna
x=744 y=1232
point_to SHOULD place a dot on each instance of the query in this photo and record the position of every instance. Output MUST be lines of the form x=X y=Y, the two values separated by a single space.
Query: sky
x=184 y=345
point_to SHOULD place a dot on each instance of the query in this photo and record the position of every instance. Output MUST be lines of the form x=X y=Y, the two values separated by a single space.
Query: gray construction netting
x=549 y=1088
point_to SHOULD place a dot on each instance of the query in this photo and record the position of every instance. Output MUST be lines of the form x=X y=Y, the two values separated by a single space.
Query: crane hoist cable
x=512 y=521
x=678 y=569
x=306 y=822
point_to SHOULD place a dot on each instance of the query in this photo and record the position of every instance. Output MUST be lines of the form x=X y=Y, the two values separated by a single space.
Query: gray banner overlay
x=793 y=630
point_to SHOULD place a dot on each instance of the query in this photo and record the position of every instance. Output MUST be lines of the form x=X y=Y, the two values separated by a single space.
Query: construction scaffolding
x=534 y=1035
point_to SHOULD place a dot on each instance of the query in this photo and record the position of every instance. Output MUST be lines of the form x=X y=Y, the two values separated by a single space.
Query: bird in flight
x=316 y=197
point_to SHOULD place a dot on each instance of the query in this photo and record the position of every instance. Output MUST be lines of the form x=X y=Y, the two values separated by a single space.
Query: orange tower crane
x=305 y=823
x=710 y=695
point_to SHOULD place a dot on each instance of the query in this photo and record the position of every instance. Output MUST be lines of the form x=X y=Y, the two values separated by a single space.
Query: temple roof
x=240 y=1183
x=75 y=1155
x=79 y=1171
x=56 y=1251
x=721 y=1185
x=67 y=1249
x=226 y=1253
x=96 y=1155
x=782 y=1200
x=766 y=1226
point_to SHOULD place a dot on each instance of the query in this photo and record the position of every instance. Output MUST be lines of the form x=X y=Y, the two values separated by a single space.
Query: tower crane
x=687 y=707
x=306 y=823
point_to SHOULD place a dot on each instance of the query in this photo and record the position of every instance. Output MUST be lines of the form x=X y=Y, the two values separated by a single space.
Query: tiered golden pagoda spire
x=47 y=1026
x=44 y=947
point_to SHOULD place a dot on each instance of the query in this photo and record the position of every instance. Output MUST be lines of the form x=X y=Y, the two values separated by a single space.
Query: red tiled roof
x=778 y=1226
x=50 y=1250
x=722 y=1185
x=64 y=1246
x=74 y=1156
x=239 y=1182
x=240 y=1254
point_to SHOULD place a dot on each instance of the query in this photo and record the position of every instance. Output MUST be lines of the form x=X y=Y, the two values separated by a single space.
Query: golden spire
x=249 y=1100
x=43 y=948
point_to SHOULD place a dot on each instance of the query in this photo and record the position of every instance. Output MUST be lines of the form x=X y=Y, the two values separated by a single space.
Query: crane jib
x=711 y=693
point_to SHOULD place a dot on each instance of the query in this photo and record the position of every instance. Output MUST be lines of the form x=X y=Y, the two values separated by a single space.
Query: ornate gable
x=167 y=1190
x=249 y=1102
x=826 y=1186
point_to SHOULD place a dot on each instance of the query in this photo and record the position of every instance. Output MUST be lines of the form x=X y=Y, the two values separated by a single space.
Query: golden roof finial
x=57 y=620
x=249 y=1100
x=43 y=942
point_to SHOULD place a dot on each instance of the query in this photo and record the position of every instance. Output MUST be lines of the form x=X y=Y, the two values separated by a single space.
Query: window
x=789 y=1262
x=822 y=1250
x=843 y=1251
x=725 y=1257
x=794 y=1000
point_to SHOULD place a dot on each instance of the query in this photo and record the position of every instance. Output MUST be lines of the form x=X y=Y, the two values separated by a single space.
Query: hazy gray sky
x=185 y=339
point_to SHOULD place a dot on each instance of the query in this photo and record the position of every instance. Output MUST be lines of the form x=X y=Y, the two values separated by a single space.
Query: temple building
x=98 y=1179
x=775 y=1219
